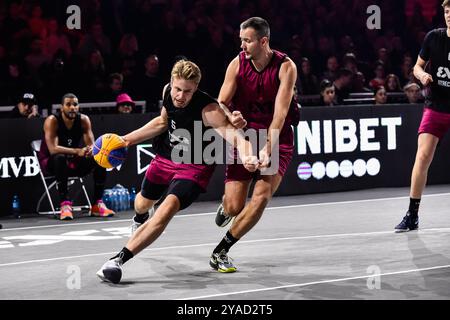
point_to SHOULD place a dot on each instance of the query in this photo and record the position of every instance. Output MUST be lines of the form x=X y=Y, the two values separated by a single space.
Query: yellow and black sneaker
x=221 y=218
x=221 y=262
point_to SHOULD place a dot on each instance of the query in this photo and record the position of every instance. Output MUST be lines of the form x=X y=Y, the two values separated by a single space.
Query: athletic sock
x=226 y=243
x=414 y=206
x=140 y=218
x=124 y=254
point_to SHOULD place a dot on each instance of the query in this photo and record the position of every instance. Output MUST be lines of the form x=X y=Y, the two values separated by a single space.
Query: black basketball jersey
x=185 y=129
x=436 y=50
x=70 y=138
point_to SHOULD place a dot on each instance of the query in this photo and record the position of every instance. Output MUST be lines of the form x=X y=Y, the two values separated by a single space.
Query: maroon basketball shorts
x=162 y=171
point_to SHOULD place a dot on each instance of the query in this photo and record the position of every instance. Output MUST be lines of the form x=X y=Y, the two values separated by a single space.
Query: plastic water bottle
x=132 y=197
x=121 y=198
x=16 y=206
x=114 y=200
x=127 y=199
x=107 y=197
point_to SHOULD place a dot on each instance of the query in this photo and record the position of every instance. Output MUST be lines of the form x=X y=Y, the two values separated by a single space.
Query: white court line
x=213 y=213
x=297 y=285
x=242 y=242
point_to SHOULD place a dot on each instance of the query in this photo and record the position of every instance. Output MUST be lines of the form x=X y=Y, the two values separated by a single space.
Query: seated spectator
x=327 y=93
x=127 y=57
x=124 y=103
x=349 y=62
x=393 y=83
x=36 y=23
x=307 y=81
x=380 y=95
x=413 y=93
x=115 y=85
x=359 y=83
x=26 y=108
x=66 y=151
x=148 y=85
x=95 y=39
x=56 y=40
x=380 y=76
x=332 y=69
x=95 y=77
x=406 y=69
x=343 y=84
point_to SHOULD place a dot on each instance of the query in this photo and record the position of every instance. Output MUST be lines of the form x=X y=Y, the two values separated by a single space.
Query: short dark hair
x=260 y=25
x=324 y=84
x=344 y=72
x=115 y=76
x=68 y=96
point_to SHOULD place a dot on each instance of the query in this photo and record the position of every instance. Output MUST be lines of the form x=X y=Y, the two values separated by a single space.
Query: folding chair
x=36 y=146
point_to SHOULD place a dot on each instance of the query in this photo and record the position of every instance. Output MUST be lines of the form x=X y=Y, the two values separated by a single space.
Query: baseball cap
x=28 y=99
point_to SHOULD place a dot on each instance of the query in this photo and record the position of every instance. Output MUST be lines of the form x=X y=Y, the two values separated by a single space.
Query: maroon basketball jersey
x=256 y=92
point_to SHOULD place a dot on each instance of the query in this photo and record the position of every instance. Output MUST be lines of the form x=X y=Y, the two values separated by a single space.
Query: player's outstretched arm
x=214 y=117
x=153 y=128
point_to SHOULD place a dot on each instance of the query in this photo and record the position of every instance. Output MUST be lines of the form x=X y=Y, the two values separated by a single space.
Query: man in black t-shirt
x=171 y=173
x=436 y=116
x=26 y=108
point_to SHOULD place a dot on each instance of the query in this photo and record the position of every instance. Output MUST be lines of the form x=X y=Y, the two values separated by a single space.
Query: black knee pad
x=152 y=191
x=187 y=191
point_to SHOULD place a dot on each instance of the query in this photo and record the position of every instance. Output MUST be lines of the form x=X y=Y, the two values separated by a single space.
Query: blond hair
x=187 y=70
x=445 y=3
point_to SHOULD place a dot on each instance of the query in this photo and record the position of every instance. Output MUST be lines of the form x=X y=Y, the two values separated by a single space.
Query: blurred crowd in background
x=128 y=47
